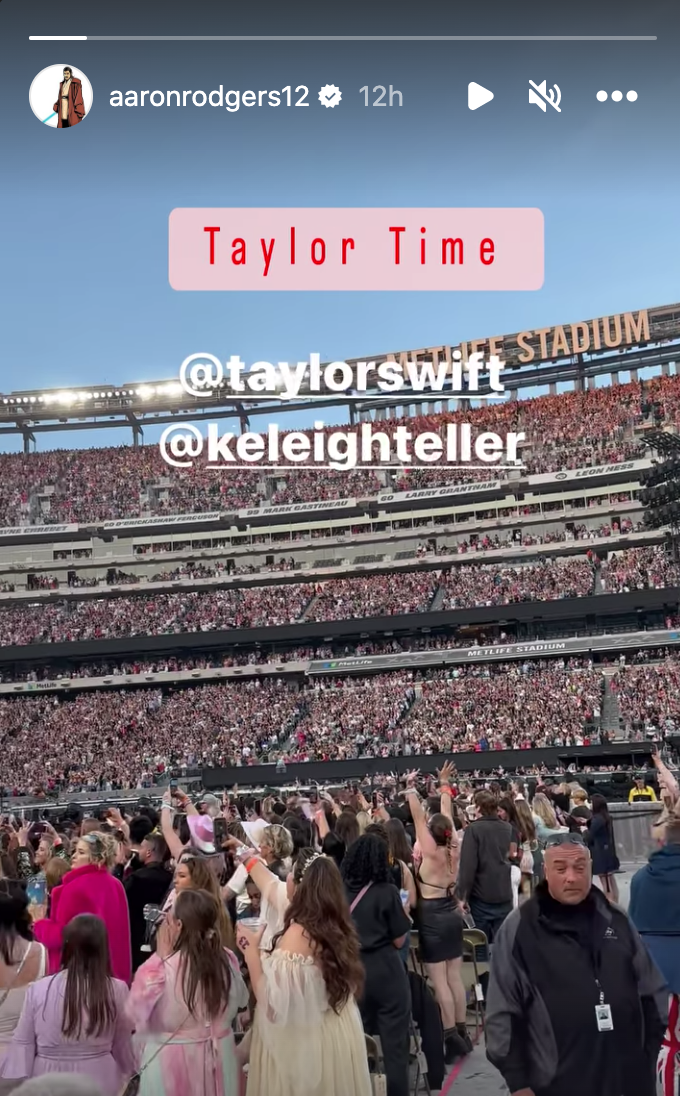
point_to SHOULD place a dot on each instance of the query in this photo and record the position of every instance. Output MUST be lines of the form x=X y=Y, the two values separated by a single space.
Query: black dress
x=600 y=841
x=440 y=926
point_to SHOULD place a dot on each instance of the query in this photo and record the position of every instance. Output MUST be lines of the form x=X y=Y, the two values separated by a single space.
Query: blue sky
x=84 y=289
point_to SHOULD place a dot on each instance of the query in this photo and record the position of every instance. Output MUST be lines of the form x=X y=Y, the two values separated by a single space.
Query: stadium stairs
x=611 y=713
x=308 y=606
x=438 y=599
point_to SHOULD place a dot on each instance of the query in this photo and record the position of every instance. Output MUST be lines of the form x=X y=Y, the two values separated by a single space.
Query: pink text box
x=356 y=249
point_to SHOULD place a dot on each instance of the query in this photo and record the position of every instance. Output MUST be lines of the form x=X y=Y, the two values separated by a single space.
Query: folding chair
x=376 y=1066
x=472 y=969
x=414 y=957
x=420 y=1059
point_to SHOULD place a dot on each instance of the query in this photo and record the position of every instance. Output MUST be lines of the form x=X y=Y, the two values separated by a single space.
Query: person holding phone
x=308 y=1038
x=183 y=1002
x=49 y=844
x=90 y=888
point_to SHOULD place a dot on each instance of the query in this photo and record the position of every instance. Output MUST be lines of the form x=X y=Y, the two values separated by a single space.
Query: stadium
x=273 y=626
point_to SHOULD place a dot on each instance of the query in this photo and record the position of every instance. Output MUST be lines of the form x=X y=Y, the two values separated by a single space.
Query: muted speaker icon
x=542 y=97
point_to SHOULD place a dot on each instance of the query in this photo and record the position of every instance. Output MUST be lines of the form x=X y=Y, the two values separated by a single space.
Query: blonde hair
x=543 y=808
x=103 y=848
x=364 y=820
x=579 y=793
x=279 y=840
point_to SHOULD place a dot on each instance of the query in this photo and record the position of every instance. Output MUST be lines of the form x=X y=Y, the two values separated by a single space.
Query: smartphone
x=220 y=830
x=153 y=914
x=38 y=828
x=36 y=890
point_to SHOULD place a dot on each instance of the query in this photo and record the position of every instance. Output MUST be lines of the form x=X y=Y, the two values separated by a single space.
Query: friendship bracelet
x=249 y=864
x=446 y=788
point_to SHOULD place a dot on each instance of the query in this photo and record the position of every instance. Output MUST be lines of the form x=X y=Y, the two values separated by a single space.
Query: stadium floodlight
x=146 y=391
x=66 y=398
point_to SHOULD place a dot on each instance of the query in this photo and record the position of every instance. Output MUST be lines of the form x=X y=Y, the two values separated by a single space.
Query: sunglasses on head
x=565 y=839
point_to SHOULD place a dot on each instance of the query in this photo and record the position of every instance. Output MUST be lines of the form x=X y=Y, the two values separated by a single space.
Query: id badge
x=603 y=1015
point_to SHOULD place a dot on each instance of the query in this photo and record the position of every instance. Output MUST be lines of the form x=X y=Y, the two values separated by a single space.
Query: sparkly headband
x=317 y=856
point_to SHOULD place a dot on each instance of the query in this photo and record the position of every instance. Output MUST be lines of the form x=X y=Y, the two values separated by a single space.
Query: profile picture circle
x=61 y=96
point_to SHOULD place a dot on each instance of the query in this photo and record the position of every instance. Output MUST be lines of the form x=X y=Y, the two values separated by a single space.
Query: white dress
x=301 y=1046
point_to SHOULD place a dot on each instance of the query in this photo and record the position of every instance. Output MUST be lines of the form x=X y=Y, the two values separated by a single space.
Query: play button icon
x=478 y=96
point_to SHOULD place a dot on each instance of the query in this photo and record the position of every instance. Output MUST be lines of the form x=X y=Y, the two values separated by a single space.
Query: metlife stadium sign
x=460 y=656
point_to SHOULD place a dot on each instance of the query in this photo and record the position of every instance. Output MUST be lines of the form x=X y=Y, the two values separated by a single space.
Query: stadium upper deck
x=91 y=512
x=573 y=430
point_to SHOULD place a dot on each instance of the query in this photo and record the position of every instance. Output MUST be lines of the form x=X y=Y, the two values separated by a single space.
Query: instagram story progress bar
x=342 y=38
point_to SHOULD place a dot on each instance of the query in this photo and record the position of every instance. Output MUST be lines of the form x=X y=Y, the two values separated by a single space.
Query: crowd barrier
x=632 y=823
x=329 y=772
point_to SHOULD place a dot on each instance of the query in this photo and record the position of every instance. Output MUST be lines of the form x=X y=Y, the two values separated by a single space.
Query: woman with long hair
x=193 y=872
x=398 y=841
x=89 y=887
x=600 y=841
x=545 y=818
x=183 y=1002
x=383 y=926
x=345 y=832
x=22 y=962
x=74 y=1021
x=507 y=813
x=307 y=1036
x=440 y=921
x=530 y=864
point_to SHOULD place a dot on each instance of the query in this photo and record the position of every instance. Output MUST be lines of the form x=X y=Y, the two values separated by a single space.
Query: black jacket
x=146 y=886
x=484 y=869
x=541 y=1029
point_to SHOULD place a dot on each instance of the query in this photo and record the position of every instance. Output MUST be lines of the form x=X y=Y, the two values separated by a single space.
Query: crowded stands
x=467 y=587
x=640 y=569
x=460 y=587
x=497 y=707
x=573 y=429
x=648 y=697
x=124 y=737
